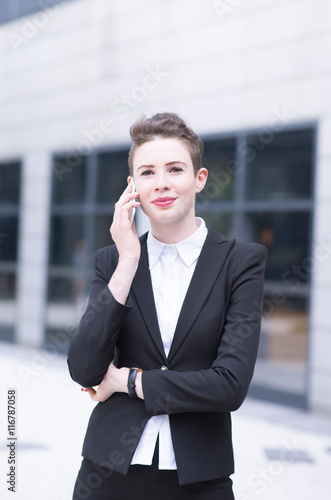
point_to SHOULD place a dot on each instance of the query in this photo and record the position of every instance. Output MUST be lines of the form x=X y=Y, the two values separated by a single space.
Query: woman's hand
x=123 y=233
x=128 y=246
x=115 y=380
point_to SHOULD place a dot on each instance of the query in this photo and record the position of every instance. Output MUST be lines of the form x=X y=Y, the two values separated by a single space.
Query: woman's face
x=165 y=180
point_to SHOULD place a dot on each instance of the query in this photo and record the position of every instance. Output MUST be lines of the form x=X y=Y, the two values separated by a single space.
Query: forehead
x=160 y=151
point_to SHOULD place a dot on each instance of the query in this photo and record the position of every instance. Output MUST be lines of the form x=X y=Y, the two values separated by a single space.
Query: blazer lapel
x=209 y=265
x=143 y=292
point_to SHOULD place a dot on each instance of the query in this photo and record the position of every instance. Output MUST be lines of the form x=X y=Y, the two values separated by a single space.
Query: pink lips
x=163 y=202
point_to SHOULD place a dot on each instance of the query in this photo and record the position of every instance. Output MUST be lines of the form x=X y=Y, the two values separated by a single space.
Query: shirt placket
x=171 y=301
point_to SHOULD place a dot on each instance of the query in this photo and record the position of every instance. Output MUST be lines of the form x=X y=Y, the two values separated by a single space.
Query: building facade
x=251 y=78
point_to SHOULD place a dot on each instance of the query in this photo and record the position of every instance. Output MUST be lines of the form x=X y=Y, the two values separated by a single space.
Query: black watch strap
x=132 y=382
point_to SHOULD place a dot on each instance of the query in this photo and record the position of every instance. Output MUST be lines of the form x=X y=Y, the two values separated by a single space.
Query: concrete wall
x=75 y=76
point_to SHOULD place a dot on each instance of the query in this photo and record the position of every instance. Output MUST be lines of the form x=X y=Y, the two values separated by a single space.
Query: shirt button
x=164 y=368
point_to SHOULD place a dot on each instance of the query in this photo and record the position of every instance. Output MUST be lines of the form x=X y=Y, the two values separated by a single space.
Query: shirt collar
x=188 y=249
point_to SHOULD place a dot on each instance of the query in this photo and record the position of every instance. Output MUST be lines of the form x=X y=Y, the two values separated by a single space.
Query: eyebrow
x=167 y=164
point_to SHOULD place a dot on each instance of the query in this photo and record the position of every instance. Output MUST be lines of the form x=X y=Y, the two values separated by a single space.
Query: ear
x=129 y=179
x=201 y=179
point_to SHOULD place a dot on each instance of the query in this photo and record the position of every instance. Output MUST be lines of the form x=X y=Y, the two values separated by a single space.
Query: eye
x=176 y=169
x=147 y=172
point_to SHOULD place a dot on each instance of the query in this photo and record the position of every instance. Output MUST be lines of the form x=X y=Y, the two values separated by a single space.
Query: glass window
x=66 y=237
x=281 y=364
x=221 y=222
x=285 y=234
x=219 y=156
x=84 y=191
x=260 y=204
x=280 y=168
x=7 y=283
x=112 y=176
x=60 y=287
x=10 y=183
x=102 y=236
x=69 y=180
x=8 y=238
x=213 y=202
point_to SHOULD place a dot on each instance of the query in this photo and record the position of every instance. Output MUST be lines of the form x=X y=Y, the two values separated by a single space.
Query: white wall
x=76 y=76
x=222 y=74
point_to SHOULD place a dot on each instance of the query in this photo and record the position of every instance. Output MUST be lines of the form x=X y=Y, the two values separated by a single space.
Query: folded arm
x=224 y=386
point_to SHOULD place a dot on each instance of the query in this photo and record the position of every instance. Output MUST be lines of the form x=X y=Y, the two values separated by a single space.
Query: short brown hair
x=166 y=125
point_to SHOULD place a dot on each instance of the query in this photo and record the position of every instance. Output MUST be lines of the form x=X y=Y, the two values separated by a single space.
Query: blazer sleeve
x=224 y=386
x=92 y=348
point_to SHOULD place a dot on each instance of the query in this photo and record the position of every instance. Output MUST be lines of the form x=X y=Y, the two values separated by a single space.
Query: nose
x=161 y=182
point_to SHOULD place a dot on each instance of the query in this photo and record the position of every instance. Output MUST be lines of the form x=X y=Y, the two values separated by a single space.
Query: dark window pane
x=286 y=235
x=102 y=236
x=112 y=176
x=60 y=288
x=69 y=283
x=221 y=222
x=279 y=166
x=7 y=285
x=10 y=183
x=8 y=238
x=82 y=269
x=66 y=234
x=69 y=179
x=218 y=158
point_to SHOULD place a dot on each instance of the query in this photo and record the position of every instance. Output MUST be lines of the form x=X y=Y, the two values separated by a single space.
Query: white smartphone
x=132 y=211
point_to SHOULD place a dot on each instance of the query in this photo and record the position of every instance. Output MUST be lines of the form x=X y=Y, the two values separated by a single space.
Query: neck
x=174 y=232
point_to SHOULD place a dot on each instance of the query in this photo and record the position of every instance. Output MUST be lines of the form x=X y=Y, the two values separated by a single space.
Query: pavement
x=281 y=453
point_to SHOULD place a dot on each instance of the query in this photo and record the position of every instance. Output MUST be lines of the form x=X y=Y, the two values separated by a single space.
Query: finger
x=126 y=202
x=130 y=197
x=131 y=204
x=124 y=211
x=128 y=191
x=92 y=392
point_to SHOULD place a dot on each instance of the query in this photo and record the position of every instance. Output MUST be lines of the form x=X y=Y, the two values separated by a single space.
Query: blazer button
x=164 y=368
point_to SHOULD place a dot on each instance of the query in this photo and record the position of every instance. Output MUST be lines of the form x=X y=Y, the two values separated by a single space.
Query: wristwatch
x=132 y=382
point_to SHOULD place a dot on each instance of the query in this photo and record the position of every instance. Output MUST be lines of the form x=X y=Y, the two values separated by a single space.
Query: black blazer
x=207 y=372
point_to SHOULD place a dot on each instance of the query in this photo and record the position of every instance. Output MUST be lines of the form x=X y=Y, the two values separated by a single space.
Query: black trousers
x=144 y=482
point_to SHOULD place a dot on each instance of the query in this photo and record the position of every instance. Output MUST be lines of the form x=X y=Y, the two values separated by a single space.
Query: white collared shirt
x=171 y=268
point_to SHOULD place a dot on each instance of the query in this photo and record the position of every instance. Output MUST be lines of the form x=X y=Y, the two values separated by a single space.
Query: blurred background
x=252 y=79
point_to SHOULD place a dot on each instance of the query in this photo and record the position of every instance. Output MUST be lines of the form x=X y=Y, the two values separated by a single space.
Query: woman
x=170 y=334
